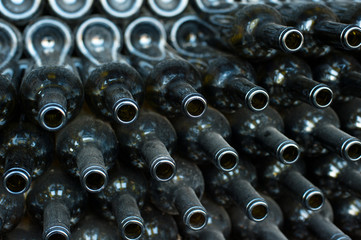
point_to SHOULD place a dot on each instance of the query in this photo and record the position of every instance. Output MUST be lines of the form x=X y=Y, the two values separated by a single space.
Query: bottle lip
x=137 y=4
x=182 y=5
x=20 y=16
x=136 y=230
x=351 y=149
x=71 y=15
x=195 y=218
x=129 y=104
x=257 y=210
x=232 y=6
x=94 y=174
x=227 y=159
x=61 y=114
x=346 y=34
x=257 y=99
x=284 y=37
x=194 y=105
x=313 y=199
x=61 y=231
x=321 y=96
x=163 y=169
x=20 y=175
x=288 y=152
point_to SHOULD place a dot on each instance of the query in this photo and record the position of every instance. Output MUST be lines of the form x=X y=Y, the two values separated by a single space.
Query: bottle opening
x=323 y=97
x=259 y=100
x=121 y=8
x=71 y=9
x=19 y=9
x=258 y=212
x=126 y=112
x=52 y=118
x=353 y=151
x=165 y=171
x=228 y=160
x=292 y=40
x=168 y=8
x=57 y=236
x=16 y=182
x=290 y=153
x=95 y=181
x=314 y=200
x=195 y=106
x=353 y=37
x=133 y=231
x=197 y=220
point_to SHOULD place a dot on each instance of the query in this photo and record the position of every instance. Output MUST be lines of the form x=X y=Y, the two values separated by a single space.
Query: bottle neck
x=269 y=231
x=224 y=156
x=56 y=221
x=350 y=83
x=351 y=178
x=325 y=229
x=211 y=234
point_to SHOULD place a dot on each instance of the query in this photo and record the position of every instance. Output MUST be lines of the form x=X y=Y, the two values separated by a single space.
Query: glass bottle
x=206 y=139
x=167 y=8
x=235 y=186
x=121 y=201
x=349 y=114
x=289 y=81
x=69 y=10
x=261 y=134
x=320 y=27
x=172 y=83
x=269 y=229
x=58 y=202
x=88 y=148
x=346 y=11
x=113 y=88
x=148 y=143
x=228 y=81
x=317 y=131
x=51 y=92
x=24 y=234
x=181 y=195
x=158 y=225
x=126 y=9
x=21 y=12
x=26 y=152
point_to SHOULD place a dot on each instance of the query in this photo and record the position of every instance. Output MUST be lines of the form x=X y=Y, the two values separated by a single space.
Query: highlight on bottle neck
x=57 y=233
x=257 y=99
x=194 y=105
x=321 y=96
x=126 y=111
x=16 y=180
x=168 y=8
x=71 y=10
x=313 y=199
x=20 y=10
x=121 y=9
x=288 y=152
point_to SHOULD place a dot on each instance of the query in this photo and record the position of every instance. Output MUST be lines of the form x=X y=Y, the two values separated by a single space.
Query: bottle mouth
x=168 y=8
x=94 y=179
x=321 y=96
x=257 y=210
x=126 y=111
x=121 y=9
x=288 y=152
x=71 y=9
x=163 y=169
x=52 y=117
x=132 y=229
x=352 y=37
x=291 y=40
x=194 y=106
x=195 y=219
x=19 y=11
x=257 y=100
x=314 y=199
x=16 y=180
x=351 y=150
x=57 y=233
x=227 y=159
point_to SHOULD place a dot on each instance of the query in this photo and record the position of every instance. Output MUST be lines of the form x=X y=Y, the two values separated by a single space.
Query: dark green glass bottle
x=52 y=92
x=181 y=195
x=121 y=201
x=172 y=83
x=26 y=152
x=261 y=134
x=113 y=88
x=349 y=114
x=57 y=201
x=205 y=139
x=88 y=148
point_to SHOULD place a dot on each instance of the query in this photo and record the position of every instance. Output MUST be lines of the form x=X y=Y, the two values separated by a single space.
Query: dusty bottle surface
x=20 y=13
x=125 y=188
x=261 y=134
x=148 y=143
x=166 y=8
x=51 y=93
x=26 y=152
x=181 y=195
x=113 y=88
x=126 y=9
x=70 y=11
x=205 y=139
x=57 y=201
x=88 y=148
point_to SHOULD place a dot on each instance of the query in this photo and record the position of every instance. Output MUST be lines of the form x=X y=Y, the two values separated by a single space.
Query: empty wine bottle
x=11 y=210
x=268 y=229
x=58 y=202
x=260 y=133
x=21 y=12
x=341 y=72
x=317 y=130
x=278 y=178
x=349 y=115
x=167 y=8
x=121 y=9
x=26 y=151
x=88 y=148
x=51 y=92
x=205 y=139
x=121 y=200
x=158 y=225
x=70 y=10
x=227 y=81
x=148 y=143
x=320 y=27
x=289 y=81
x=113 y=88
x=218 y=225
x=172 y=83
x=181 y=195
x=94 y=228
x=236 y=187
x=300 y=221
x=256 y=32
